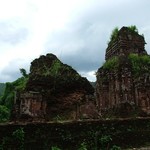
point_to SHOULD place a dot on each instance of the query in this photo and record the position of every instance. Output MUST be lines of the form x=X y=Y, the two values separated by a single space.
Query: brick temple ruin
x=53 y=91
x=126 y=43
x=118 y=89
x=56 y=90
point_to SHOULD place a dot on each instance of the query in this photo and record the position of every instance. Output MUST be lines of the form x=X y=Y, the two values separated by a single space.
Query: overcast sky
x=77 y=31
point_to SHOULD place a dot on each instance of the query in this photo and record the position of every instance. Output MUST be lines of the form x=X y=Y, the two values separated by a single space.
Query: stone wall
x=73 y=135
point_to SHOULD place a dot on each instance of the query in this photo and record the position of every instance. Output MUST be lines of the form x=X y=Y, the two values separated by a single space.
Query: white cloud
x=89 y=75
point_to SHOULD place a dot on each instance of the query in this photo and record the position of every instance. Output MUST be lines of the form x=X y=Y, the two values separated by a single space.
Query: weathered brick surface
x=118 y=90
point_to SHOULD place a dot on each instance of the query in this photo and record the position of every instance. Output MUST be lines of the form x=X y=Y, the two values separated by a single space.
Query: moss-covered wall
x=79 y=134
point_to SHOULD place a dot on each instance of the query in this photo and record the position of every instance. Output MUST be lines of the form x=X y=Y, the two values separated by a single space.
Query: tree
x=2 y=88
x=23 y=72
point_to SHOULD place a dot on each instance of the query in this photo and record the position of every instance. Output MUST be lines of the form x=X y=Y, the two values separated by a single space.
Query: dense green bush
x=2 y=88
x=18 y=137
x=83 y=146
x=4 y=113
x=55 y=148
x=8 y=97
x=15 y=140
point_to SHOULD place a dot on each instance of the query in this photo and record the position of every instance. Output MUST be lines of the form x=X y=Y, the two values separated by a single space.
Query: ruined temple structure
x=54 y=91
x=126 y=42
x=123 y=83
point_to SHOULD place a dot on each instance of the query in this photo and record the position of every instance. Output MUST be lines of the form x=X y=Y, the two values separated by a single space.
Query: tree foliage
x=7 y=100
x=11 y=87
x=2 y=88
x=23 y=72
x=9 y=93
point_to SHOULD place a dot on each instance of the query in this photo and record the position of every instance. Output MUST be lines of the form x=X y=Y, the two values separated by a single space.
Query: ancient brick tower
x=126 y=42
x=123 y=82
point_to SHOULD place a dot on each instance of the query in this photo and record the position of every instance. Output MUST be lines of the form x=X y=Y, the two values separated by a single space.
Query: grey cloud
x=82 y=54
x=11 y=72
x=83 y=42
x=9 y=76
x=81 y=46
x=12 y=33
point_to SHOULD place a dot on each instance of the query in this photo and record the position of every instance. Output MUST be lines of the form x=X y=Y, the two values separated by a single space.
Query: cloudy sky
x=77 y=31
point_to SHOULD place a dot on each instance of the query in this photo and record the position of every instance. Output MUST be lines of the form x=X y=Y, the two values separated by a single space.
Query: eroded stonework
x=32 y=104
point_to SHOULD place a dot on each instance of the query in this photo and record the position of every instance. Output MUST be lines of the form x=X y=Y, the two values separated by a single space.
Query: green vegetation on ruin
x=59 y=74
x=111 y=64
x=140 y=64
x=58 y=70
x=133 y=29
x=54 y=70
x=114 y=35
